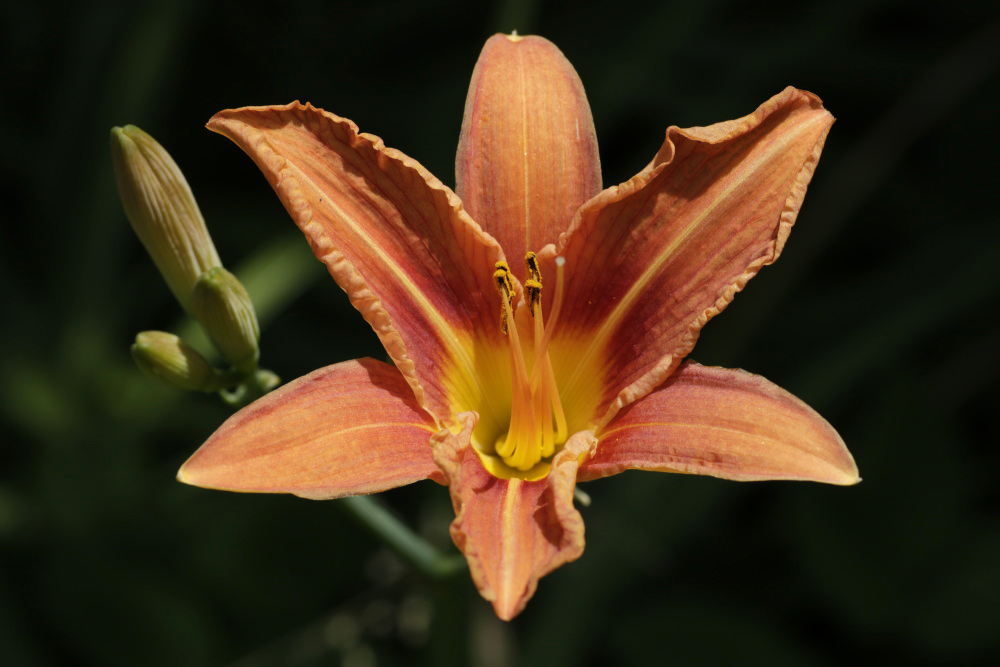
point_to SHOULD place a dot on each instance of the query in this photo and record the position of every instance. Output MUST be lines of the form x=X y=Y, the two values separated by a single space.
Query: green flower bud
x=165 y=357
x=162 y=210
x=222 y=305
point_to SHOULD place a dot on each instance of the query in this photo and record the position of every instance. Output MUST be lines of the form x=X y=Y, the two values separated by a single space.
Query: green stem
x=416 y=550
x=251 y=386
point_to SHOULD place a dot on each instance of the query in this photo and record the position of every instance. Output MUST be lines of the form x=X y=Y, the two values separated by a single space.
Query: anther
x=531 y=263
x=533 y=284
x=505 y=286
x=533 y=288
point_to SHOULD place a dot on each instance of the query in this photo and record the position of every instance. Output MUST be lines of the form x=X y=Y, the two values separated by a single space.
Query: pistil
x=537 y=421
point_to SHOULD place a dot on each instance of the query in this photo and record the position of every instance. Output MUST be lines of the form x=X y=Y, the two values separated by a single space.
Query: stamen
x=542 y=347
x=535 y=403
x=562 y=431
x=541 y=404
x=542 y=353
x=515 y=448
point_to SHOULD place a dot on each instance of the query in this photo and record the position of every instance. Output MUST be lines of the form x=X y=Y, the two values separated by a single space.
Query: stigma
x=537 y=420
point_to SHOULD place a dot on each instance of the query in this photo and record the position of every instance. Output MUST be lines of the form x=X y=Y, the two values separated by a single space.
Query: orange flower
x=511 y=384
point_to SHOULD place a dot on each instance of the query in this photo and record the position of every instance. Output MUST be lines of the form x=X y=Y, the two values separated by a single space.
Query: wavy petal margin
x=650 y=261
x=348 y=429
x=392 y=235
x=723 y=423
x=527 y=156
x=511 y=531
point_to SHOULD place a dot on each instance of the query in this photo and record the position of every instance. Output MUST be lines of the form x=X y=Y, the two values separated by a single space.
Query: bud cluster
x=165 y=216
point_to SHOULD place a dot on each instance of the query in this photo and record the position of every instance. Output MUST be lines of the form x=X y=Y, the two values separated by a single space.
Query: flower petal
x=650 y=261
x=511 y=531
x=344 y=430
x=724 y=423
x=393 y=237
x=527 y=156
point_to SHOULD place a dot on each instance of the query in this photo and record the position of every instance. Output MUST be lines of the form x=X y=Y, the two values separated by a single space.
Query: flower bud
x=165 y=357
x=162 y=210
x=222 y=305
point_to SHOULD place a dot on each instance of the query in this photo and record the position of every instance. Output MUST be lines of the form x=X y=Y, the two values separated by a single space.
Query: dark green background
x=882 y=314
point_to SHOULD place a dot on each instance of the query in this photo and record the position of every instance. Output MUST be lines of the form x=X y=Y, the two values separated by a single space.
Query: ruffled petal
x=393 y=237
x=724 y=423
x=527 y=157
x=511 y=531
x=348 y=429
x=650 y=261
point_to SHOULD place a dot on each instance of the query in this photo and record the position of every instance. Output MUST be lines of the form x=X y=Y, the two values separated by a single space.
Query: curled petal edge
x=395 y=238
x=805 y=125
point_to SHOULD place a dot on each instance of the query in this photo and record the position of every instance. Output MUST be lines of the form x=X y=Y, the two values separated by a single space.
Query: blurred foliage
x=882 y=314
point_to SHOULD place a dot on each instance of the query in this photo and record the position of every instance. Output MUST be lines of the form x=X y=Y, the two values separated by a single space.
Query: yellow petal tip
x=186 y=476
x=851 y=479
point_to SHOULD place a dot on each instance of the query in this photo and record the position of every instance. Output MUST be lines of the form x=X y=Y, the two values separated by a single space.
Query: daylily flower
x=513 y=382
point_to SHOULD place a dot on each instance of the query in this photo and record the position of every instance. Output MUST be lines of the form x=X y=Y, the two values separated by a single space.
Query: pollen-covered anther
x=505 y=286
x=501 y=269
x=533 y=290
x=533 y=283
x=531 y=263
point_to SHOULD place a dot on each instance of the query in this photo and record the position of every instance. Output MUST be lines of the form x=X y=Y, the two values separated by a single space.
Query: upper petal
x=724 y=423
x=393 y=237
x=650 y=261
x=527 y=156
x=347 y=429
x=512 y=532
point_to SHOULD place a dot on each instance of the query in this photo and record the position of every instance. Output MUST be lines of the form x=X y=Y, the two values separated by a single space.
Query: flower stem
x=413 y=548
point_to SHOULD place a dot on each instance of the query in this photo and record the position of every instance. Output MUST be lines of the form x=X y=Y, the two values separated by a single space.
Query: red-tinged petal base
x=348 y=429
x=511 y=531
x=724 y=423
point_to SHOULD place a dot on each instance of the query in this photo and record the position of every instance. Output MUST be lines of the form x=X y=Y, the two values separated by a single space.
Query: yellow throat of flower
x=537 y=420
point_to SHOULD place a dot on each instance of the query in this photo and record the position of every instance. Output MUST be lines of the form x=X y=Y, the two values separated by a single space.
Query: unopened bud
x=222 y=305
x=162 y=210
x=165 y=357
